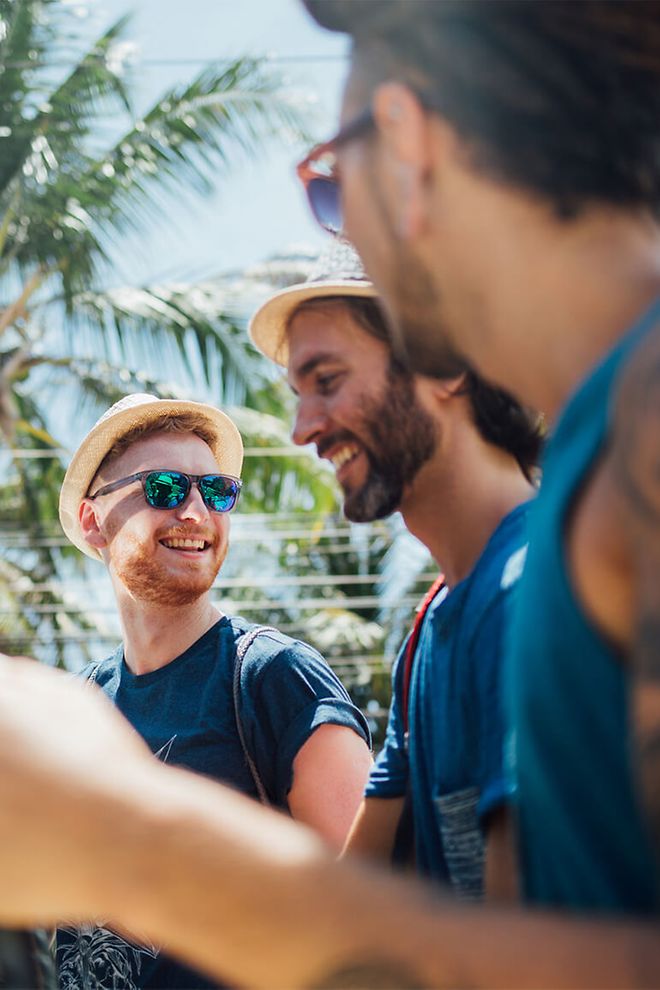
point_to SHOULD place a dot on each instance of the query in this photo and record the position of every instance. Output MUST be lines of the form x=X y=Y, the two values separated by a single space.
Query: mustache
x=185 y=533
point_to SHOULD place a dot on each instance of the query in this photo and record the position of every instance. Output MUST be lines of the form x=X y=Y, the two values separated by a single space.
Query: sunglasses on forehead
x=164 y=489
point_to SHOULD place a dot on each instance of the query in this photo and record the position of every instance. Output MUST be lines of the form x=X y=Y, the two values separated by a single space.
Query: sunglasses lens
x=219 y=493
x=324 y=200
x=165 y=489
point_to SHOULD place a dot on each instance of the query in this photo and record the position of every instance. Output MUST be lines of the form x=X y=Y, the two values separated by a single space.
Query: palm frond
x=46 y=127
x=286 y=483
x=179 y=326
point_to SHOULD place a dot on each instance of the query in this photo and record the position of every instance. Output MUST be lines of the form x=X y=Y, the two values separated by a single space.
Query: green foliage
x=71 y=344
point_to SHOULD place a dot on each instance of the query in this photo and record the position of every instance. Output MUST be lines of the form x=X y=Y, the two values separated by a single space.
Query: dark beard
x=398 y=437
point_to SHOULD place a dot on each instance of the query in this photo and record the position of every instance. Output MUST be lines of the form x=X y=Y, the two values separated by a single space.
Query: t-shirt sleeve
x=389 y=775
x=487 y=657
x=287 y=693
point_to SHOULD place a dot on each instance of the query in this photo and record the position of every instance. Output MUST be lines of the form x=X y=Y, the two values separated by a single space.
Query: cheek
x=365 y=225
x=355 y=202
x=222 y=525
x=137 y=526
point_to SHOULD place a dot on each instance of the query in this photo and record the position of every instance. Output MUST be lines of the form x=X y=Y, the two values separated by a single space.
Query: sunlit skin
x=428 y=454
x=325 y=401
x=534 y=302
x=466 y=263
x=367 y=420
x=203 y=869
x=154 y=582
x=405 y=442
x=131 y=530
x=164 y=603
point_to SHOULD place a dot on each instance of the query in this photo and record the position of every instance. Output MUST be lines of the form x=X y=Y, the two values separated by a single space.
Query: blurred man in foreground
x=509 y=213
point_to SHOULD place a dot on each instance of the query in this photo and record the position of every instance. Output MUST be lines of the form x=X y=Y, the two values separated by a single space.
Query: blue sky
x=260 y=208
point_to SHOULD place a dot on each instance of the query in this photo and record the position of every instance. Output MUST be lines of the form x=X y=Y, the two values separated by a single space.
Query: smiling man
x=455 y=457
x=149 y=493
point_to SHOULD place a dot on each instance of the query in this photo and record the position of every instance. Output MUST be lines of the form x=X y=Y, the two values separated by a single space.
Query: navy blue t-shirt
x=453 y=762
x=185 y=712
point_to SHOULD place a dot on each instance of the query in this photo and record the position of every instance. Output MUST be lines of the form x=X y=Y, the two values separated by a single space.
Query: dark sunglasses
x=164 y=489
x=320 y=177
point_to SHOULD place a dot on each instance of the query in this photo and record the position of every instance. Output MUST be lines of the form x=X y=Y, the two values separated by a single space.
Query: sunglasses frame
x=192 y=479
x=306 y=171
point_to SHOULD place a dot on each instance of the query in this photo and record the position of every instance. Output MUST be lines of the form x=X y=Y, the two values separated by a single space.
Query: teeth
x=342 y=456
x=184 y=544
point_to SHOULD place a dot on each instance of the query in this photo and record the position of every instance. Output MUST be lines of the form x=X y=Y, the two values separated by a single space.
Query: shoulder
x=500 y=567
x=273 y=653
x=491 y=587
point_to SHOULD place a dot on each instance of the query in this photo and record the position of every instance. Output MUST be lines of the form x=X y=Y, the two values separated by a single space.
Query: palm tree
x=70 y=344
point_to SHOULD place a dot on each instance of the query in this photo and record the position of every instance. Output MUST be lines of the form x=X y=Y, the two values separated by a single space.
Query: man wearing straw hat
x=148 y=493
x=456 y=458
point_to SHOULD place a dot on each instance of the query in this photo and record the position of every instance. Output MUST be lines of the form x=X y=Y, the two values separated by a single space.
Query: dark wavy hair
x=500 y=419
x=561 y=97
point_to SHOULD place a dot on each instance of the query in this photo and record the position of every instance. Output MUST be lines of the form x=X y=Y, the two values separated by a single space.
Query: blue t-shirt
x=453 y=759
x=583 y=838
x=185 y=712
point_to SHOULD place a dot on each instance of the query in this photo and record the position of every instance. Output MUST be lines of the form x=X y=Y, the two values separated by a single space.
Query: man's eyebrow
x=307 y=367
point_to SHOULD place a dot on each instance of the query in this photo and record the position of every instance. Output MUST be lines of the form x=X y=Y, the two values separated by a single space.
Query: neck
x=455 y=512
x=154 y=635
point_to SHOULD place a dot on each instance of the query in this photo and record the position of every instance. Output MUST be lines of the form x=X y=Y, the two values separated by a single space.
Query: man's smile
x=343 y=458
x=185 y=544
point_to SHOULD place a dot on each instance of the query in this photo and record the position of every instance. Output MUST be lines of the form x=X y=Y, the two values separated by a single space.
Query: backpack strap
x=90 y=677
x=411 y=647
x=243 y=644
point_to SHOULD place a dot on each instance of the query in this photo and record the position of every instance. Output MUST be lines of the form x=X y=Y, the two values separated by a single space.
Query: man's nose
x=310 y=422
x=193 y=506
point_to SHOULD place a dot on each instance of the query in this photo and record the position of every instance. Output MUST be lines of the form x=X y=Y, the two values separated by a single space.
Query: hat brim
x=267 y=328
x=227 y=448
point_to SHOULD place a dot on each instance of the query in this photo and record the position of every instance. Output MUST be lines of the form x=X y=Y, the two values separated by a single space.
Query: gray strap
x=93 y=674
x=243 y=644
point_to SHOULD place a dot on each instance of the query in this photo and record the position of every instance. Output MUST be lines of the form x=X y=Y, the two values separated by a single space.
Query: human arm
x=234 y=889
x=373 y=833
x=329 y=774
x=632 y=482
x=501 y=874
x=310 y=744
x=374 y=829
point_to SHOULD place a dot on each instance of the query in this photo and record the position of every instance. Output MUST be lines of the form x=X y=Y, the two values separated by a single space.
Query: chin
x=368 y=506
x=155 y=584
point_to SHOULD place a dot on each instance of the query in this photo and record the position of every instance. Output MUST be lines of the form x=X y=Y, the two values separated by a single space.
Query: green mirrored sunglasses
x=165 y=489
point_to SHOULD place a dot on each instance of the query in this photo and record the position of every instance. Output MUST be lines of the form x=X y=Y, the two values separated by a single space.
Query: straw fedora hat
x=139 y=409
x=338 y=272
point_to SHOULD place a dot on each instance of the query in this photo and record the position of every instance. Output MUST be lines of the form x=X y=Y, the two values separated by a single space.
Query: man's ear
x=448 y=388
x=403 y=126
x=89 y=524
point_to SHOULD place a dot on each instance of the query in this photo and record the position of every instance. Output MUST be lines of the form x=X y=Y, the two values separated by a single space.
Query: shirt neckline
x=150 y=676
